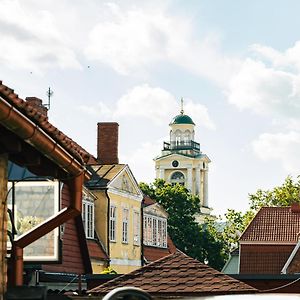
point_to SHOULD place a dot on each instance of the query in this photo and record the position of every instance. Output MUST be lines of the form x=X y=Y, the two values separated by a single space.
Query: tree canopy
x=190 y=237
x=236 y=221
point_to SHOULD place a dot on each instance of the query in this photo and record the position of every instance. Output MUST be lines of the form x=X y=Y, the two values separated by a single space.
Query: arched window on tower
x=178 y=138
x=187 y=137
x=177 y=177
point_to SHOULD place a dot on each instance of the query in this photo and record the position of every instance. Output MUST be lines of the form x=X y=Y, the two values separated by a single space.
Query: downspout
x=142 y=232
x=23 y=127
x=107 y=226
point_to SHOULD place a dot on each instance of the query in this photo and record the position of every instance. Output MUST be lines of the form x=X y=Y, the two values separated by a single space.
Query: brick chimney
x=38 y=105
x=107 y=146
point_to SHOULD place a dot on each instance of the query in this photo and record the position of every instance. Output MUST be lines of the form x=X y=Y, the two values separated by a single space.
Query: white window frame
x=112 y=223
x=155 y=231
x=56 y=194
x=88 y=217
x=136 y=228
x=125 y=225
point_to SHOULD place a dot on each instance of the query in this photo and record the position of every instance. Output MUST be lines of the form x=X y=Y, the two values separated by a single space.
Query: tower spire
x=182 y=111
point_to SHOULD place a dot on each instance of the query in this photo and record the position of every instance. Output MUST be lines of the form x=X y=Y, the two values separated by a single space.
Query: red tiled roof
x=96 y=250
x=177 y=274
x=273 y=224
x=154 y=253
x=148 y=201
x=42 y=121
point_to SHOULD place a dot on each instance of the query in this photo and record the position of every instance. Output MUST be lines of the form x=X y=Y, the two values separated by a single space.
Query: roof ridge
x=42 y=121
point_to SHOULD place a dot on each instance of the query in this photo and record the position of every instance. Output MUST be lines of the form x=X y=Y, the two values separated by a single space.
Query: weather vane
x=182 y=111
x=49 y=94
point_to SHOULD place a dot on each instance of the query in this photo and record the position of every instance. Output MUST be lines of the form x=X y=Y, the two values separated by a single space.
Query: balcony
x=182 y=145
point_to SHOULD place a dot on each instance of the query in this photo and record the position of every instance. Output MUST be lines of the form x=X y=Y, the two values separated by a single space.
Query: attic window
x=155 y=231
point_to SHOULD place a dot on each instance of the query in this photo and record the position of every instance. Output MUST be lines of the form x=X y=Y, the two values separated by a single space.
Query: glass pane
x=34 y=203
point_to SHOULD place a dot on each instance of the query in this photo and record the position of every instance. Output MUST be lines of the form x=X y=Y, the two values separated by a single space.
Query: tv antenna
x=49 y=95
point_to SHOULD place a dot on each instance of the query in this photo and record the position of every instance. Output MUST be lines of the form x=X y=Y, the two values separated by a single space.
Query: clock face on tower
x=175 y=163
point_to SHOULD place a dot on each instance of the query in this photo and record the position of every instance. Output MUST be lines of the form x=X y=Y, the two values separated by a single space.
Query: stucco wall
x=125 y=257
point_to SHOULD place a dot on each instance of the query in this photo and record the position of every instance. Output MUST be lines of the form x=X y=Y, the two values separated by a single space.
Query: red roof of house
x=148 y=201
x=154 y=253
x=273 y=224
x=177 y=274
x=42 y=121
x=96 y=250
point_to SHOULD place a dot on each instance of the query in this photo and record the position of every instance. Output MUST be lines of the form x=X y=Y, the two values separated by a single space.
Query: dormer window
x=155 y=231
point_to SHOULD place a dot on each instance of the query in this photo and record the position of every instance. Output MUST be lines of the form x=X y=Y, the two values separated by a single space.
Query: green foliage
x=195 y=240
x=236 y=222
x=283 y=195
x=108 y=270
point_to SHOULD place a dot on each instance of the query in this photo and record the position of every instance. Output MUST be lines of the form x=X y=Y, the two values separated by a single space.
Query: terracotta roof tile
x=154 y=253
x=96 y=250
x=148 y=201
x=42 y=121
x=273 y=224
x=176 y=274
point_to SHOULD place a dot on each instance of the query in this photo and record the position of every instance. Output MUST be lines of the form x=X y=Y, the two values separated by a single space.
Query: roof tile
x=42 y=121
x=273 y=224
x=169 y=275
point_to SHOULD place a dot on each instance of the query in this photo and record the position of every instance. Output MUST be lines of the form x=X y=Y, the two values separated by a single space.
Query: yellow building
x=117 y=216
x=181 y=161
x=117 y=208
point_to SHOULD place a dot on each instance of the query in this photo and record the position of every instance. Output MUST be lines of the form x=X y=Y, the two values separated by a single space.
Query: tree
x=195 y=240
x=236 y=222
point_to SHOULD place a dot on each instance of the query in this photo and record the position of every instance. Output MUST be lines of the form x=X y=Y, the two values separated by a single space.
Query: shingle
x=168 y=278
x=273 y=224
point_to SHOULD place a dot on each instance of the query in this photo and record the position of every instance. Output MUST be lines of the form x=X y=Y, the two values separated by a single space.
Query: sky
x=235 y=63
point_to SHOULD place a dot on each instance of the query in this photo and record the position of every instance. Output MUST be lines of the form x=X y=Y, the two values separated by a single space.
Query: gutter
x=31 y=133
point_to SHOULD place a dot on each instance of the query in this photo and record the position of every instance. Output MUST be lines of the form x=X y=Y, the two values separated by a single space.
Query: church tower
x=181 y=160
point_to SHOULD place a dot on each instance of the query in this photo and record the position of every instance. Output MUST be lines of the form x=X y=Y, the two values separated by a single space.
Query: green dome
x=182 y=119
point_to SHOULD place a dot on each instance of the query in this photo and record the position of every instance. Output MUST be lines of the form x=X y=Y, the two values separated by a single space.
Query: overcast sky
x=236 y=63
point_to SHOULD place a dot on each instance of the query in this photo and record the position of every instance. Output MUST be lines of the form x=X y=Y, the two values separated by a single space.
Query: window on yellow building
x=88 y=217
x=136 y=228
x=155 y=231
x=112 y=224
x=125 y=225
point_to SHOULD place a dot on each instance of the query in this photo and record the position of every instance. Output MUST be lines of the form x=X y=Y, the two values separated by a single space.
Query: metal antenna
x=49 y=94
x=182 y=111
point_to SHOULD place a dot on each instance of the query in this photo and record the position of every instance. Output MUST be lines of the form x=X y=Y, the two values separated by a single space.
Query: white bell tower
x=181 y=160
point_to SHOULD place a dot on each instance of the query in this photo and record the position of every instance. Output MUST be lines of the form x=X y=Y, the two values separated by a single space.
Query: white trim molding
x=125 y=262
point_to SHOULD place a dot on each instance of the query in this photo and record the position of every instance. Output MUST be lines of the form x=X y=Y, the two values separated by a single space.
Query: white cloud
x=289 y=59
x=31 y=39
x=152 y=104
x=99 y=110
x=141 y=160
x=132 y=39
x=283 y=148
x=267 y=87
